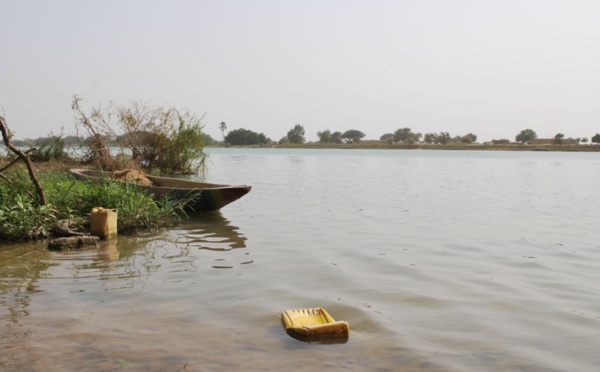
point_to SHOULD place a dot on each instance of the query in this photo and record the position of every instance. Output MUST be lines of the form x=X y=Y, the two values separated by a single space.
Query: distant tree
x=468 y=138
x=353 y=135
x=596 y=138
x=406 y=135
x=387 y=137
x=584 y=140
x=442 y=138
x=284 y=140
x=242 y=137
x=263 y=139
x=336 y=137
x=526 y=135
x=558 y=138
x=325 y=136
x=429 y=138
x=296 y=134
x=208 y=140
x=223 y=127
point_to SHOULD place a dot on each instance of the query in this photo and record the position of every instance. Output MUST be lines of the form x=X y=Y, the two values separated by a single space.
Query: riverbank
x=25 y=215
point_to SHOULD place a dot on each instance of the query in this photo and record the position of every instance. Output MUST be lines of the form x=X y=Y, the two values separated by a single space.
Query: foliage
x=296 y=134
x=387 y=137
x=429 y=138
x=468 y=138
x=441 y=138
x=596 y=138
x=406 y=135
x=50 y=148
x=353 y=135
x=325 y=136
x=558 y=138
x=245 y=137
x=22 y=218
x=165 y=139
x=137 y=209
x=336 y=137
x=526 y=135
x=21 y=215
x=207 y=139
x=284 y=140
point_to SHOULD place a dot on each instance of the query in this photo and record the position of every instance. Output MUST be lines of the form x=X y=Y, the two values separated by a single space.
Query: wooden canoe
x=211 y=197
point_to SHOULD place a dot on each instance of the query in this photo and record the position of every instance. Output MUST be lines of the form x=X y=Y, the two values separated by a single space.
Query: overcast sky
x=491 y=68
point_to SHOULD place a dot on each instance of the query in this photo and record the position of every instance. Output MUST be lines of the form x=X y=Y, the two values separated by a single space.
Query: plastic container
x=104 y=223
x=313 y=324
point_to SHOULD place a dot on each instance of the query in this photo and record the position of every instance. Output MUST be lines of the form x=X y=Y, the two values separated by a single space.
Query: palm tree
x=223 y=127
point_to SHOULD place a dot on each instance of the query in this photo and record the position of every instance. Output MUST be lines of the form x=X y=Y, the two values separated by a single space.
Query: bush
x=166 y=140
x=50 y=148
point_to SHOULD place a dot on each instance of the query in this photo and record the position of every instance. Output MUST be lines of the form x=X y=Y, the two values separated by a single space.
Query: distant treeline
x=77 y=141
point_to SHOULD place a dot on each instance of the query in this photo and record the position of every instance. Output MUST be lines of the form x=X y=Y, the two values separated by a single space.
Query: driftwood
x=25 y=158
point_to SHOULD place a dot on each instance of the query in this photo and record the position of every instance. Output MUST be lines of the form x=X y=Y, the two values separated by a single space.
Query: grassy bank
x=23 y=218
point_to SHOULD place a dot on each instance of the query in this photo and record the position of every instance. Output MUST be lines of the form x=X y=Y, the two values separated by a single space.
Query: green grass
x=22 y=218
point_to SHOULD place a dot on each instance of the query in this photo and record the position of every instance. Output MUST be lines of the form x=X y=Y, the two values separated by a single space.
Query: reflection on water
x=214 y=234
x=51 y=296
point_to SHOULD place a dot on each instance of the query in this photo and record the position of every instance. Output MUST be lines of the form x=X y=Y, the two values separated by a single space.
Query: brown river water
x=438 y=260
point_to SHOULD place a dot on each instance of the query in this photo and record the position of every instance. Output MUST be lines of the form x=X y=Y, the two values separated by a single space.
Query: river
x=438 y=260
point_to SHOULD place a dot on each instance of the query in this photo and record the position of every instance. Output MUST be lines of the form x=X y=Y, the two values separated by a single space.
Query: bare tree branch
x=24 y=157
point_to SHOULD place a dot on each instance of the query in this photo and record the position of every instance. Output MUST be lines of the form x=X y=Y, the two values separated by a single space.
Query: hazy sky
x=488 y=67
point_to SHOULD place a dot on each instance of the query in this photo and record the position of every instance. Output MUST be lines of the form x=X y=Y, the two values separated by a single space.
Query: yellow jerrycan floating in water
x=313 y=324
x=104 y=222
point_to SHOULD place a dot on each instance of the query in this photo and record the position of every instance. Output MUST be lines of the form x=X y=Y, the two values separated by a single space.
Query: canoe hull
x=210 y=196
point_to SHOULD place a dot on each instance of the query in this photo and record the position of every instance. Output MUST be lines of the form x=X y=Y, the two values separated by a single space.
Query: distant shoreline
x=368 y=145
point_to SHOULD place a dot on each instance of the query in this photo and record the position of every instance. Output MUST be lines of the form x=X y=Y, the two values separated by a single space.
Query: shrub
x=164 y=139
x=51 y=148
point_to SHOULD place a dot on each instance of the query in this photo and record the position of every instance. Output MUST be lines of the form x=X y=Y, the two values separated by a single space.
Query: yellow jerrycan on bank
x=104 y=223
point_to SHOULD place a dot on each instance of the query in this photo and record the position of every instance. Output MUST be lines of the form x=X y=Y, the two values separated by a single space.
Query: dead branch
x=97 y=127
x=24 y=157
x=16 y=160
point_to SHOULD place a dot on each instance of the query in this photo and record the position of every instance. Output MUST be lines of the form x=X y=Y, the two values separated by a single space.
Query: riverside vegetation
x=22 y=217
x=35 y=201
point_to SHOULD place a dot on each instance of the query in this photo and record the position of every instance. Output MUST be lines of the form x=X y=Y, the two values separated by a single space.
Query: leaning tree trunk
x=24 y=157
